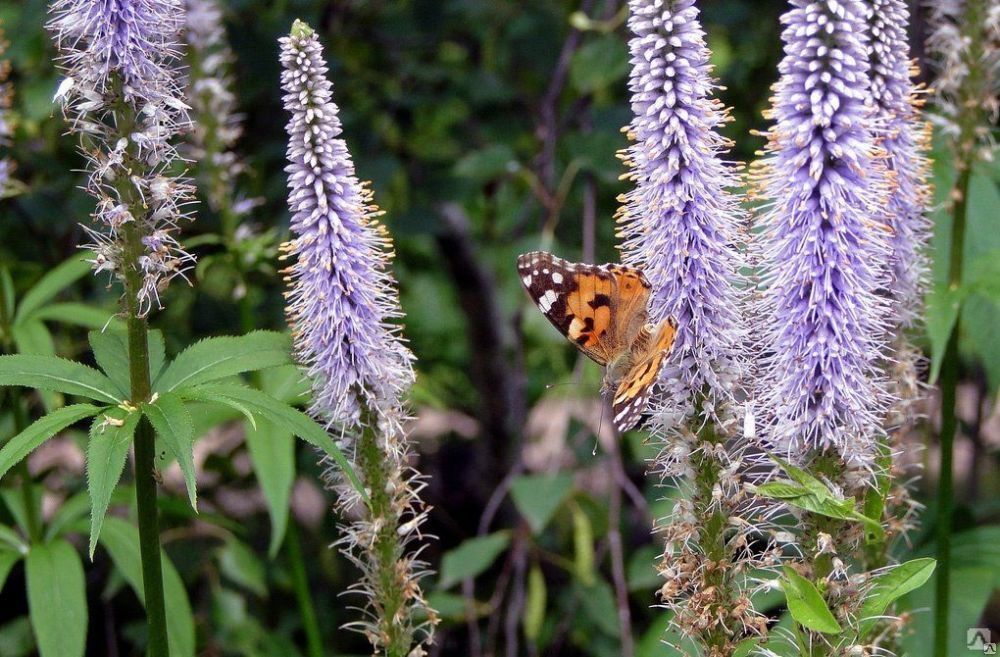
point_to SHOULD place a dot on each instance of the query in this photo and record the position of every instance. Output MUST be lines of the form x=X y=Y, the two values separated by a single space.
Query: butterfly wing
x=634 y=390
x=595 y=307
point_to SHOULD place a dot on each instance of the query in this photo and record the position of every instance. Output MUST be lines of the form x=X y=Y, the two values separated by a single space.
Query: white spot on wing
x=546 y=300
x=527 y=280
x=557 y=278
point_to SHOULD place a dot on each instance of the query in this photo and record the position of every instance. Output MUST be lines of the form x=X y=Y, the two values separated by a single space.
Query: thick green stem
x=394 y=631
x=145 y=488
x=949 y=384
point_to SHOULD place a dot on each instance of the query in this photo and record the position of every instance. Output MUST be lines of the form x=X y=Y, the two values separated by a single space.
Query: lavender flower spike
x=343 y=301
x=905 y=139
x=680 y=223
x=823 y=322
x=342 y=307
x=121 y=91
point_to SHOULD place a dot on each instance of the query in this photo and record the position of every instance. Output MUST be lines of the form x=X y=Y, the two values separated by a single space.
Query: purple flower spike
x=121 y=91
x=823 y=250
x=343 y=301
x=905 y=139
x=680 y=223
x=5 y=128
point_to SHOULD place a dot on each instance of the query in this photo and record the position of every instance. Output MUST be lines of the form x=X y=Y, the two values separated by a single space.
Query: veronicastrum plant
x=121 y=97
x=827 y=259
x=684 y=226
x=343 y=308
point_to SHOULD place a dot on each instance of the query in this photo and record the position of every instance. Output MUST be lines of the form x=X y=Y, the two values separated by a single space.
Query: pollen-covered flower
x=680 y=223
x=823 y=248
x=905 y=139
x=343 y=308
x=121 y=90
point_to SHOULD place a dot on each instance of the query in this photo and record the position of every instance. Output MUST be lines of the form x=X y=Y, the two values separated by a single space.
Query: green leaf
x=538 y=497
x=8 y=558
x=583 y=546
x=78 y=314
x=174 y=427
x=57 y=599
x=472 y=557
x=33 y=337
x=217 y=358
x=111 y=353
x=599 y=63
x=17 y=504
x=781 y=490
x=16 y=639
x=300 y=424
x=803 y=478
x=121 y=540
x=52 y=284
x=106 y=454
x=641 y=570
x=534 y=604
x=241 y=566
x=598 y=602
x=7 y=287
x=58 y=374
x=892 y=585
x=806 y=605
x=41 y=430
x=272 y=450
x=487 y=164
x=942 y=308
x=69 y=512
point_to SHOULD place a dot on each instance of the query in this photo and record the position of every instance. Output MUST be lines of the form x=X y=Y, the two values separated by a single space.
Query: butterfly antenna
x=600 y=426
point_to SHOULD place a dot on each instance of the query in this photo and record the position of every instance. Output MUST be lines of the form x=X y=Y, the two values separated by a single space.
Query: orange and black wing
x=635 y=388
x=593 y=306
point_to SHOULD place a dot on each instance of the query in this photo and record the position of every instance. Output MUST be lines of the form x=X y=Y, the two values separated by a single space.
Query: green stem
x=389 y=596
x=310 y=624
x=145 y=489
x=949 y=384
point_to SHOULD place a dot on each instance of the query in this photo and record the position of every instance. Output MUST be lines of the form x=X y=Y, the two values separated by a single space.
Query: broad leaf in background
x=8 y=558
x=538 y=497
x=51 y=284
x=943 y=305
x=110 y=439
x=272 y=449
x=472 y=557
x=121 y=540
x=241 y=566
x=806 y=605
x=599 y=63
x=534 y=604
x=57 y=599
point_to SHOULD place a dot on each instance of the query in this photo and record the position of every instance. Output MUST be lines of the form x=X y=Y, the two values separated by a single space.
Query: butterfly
x=602 y=310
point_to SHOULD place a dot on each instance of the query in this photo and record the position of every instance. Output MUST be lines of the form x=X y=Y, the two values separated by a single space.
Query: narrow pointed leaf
x=52 y=284
x=944 y=303
x=472 y=557
x=111 y=353
x=806 y=605
x=218 y=358
x=106 y=454
x=281 y=414
x=121 y=540
x=174 y=427
x=78 y=314
x=8 y=559
x=272 y=450
x=57 y=599
x=41 y=430
x=58 y=374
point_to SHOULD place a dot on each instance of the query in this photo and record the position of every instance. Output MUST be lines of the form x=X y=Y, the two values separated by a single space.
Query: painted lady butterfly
x=602 y=310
